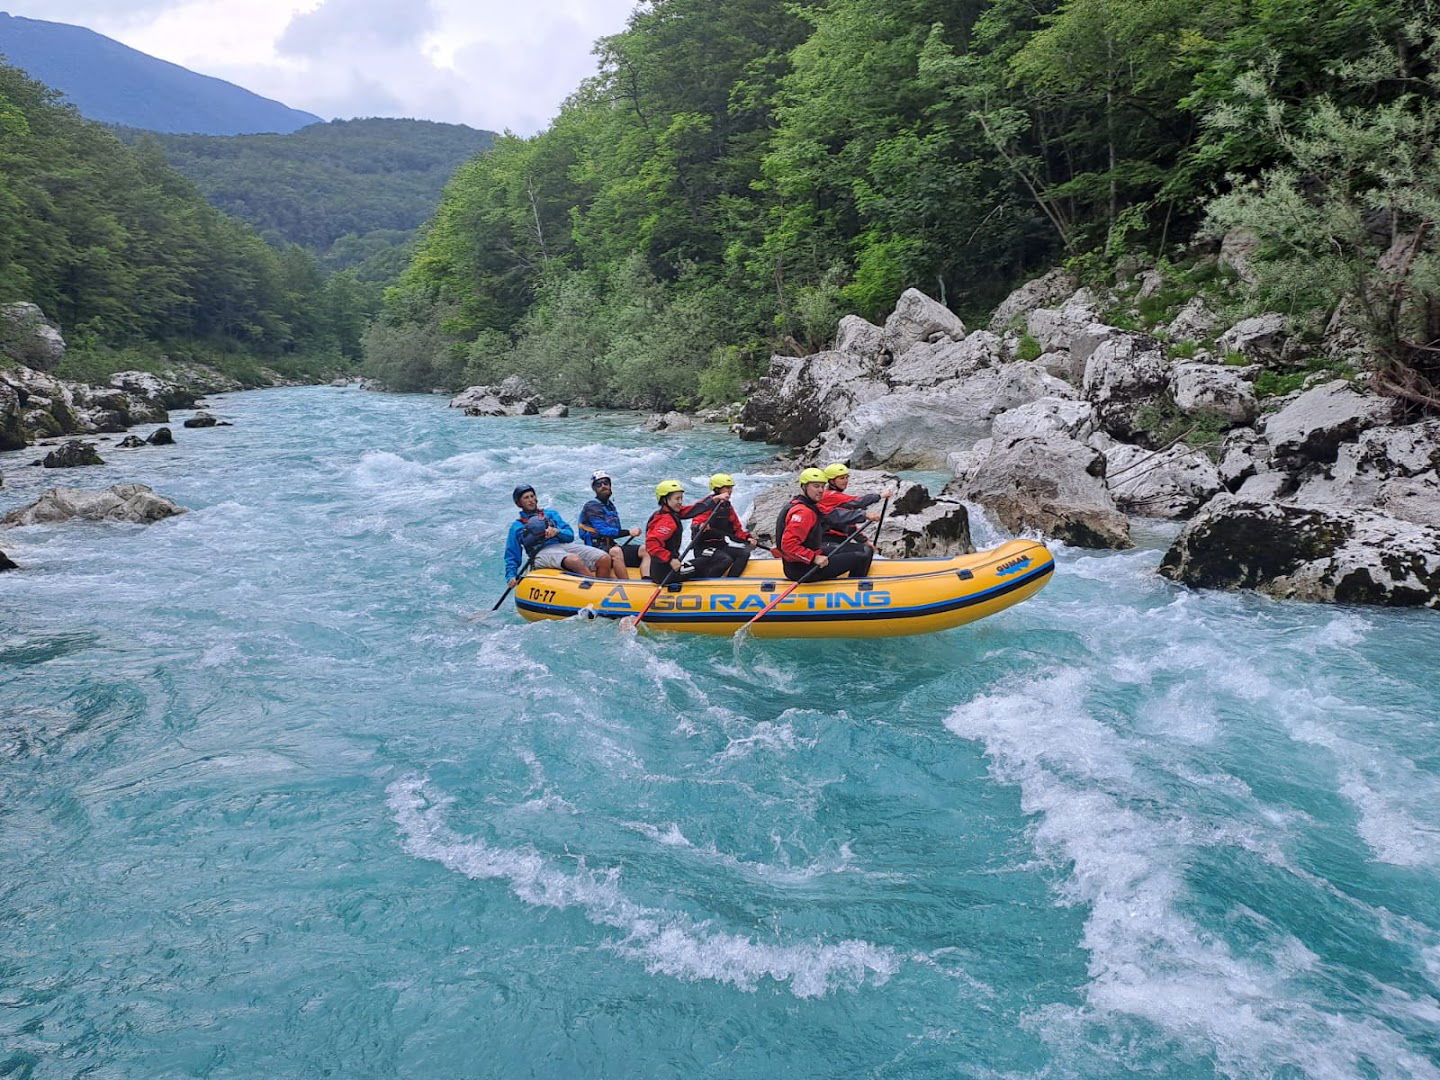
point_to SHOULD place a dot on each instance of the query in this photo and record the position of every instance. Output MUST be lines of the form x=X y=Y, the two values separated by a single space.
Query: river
x=271 y=806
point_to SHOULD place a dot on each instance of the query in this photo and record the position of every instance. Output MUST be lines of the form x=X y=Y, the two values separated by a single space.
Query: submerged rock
x=161 y=437
x=122 y=502
x=132 y=442
x=72 y=455
x=670 y=421
x=201 y=420
x=6 y=563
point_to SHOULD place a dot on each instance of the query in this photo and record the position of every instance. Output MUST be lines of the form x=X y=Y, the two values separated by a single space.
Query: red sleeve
x=799 y=520
x=661 y=528
x=832 y=498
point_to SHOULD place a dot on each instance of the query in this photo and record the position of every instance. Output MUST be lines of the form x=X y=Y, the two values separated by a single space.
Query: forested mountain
x=115 y=84
x=348 y=191
x=738 y=175
x=130 y=259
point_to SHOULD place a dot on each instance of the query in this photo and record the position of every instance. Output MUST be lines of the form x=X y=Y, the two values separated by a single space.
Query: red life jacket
x=799 y=527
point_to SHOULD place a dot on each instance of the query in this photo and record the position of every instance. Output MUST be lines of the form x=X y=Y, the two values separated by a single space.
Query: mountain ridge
x=112 y=83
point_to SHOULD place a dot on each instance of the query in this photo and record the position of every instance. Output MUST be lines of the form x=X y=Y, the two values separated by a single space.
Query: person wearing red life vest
x=718 y=532
x=663 y=536
x=843 y=512
x=801 y=527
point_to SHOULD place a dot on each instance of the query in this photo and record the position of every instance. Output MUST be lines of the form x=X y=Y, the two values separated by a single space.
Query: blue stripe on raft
x=855 y=615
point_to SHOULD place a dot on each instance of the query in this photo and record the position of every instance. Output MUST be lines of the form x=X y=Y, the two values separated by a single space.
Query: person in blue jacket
x=600 y=528
x=543 y=535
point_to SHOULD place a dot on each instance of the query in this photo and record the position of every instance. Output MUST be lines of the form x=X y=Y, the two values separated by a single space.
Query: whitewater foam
x=667 y=943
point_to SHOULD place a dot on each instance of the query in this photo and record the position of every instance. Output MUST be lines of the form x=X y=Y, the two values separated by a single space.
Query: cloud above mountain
x=480 y=62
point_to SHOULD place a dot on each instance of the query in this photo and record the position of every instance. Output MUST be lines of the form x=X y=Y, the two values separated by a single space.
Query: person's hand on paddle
x=635 y=531
x=822 y=561
x=675 y=565
x=872 y=515
x=550 y=532
x=513 y=582
x=752 y=542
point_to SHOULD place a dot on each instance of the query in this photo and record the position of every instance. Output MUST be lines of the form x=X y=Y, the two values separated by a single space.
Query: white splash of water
x=667 y=943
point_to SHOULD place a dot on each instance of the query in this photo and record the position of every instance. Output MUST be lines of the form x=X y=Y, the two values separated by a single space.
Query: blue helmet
x=521 y=490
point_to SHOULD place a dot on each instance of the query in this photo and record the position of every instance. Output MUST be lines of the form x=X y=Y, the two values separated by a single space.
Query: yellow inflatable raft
x=901 y=596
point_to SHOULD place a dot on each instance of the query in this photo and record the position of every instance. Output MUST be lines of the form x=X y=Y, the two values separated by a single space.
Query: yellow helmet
x=812 y=476
x=721 y=480
x=668 y=487
x=838 y=469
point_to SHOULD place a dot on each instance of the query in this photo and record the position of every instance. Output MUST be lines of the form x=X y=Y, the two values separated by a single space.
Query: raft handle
x=864 y=586
x=964 y=575
x=767 y=586
x=586 y=584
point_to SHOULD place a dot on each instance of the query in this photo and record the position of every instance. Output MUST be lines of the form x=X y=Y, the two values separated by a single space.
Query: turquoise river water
x=270 y=806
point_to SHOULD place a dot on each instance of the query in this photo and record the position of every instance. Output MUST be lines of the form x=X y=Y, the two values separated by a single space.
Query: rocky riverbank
x=38 y=408
x=1062 y=424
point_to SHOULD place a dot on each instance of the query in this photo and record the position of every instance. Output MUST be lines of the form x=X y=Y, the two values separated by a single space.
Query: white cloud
x=486 y=63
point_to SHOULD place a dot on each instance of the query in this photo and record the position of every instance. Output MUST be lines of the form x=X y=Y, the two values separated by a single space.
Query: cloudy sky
x=488 y=63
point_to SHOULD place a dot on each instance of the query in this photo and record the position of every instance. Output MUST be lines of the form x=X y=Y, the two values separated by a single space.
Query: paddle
x=634 y=623
x=795 y=585
x=483 y=615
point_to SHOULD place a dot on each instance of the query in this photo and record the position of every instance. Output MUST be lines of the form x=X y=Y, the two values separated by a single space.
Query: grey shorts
x=552 y=555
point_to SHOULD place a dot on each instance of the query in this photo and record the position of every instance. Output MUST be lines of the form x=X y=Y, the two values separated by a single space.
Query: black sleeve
x=845 y=516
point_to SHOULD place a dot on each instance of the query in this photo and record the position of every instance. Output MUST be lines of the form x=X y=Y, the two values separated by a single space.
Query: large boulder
x=1261 y=340
x=859 y=336
x=1047 y=290
x=670 y=421
x=1054 y=328
x=6 y=563
x=1123 y=375
x=28 y=338
x=1050 y=484
x=917 y=428
x=1222 y=391
x=803 y=396
x=918 y=318
x=1237 y=250
x=916 y=524
x=1045 y=416
x=165 y=391
x=123 y=502
x=1301 y=553
x=1314 y=424
x=1391 y=469
x=929 y=364
x=1194 y=322
x=507 y=399
x=1170 y=483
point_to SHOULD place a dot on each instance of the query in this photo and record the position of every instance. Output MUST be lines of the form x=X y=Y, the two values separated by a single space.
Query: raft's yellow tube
x=901 y=596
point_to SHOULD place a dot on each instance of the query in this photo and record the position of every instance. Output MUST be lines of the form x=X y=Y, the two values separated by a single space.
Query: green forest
x=349 y=191
x=132 y=262
x=737 y=176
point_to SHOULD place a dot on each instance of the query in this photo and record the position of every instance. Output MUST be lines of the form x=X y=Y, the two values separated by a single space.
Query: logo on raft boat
x=1014 y=566
x=694 y=601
